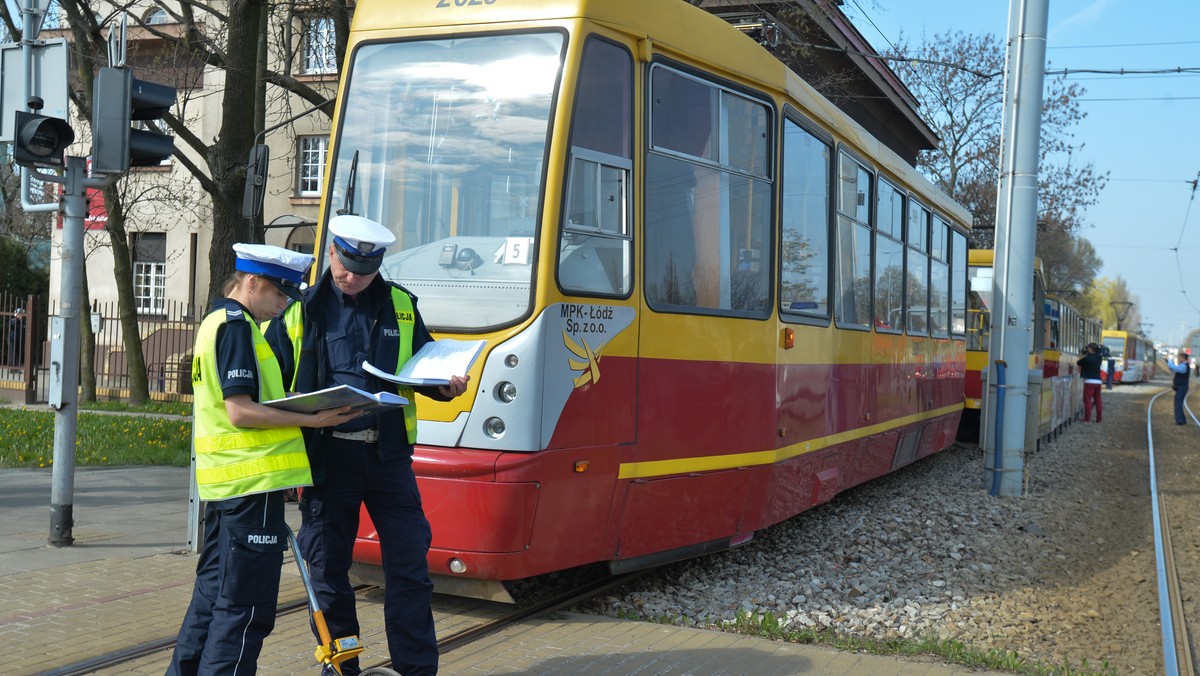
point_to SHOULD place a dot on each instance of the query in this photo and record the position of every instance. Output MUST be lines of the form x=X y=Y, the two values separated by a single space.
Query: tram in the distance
x=1060 y=335
x=710 y=300
x=1132 y=356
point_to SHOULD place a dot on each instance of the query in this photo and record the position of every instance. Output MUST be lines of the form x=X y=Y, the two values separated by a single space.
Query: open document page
x=434 y=363
x=337 y=397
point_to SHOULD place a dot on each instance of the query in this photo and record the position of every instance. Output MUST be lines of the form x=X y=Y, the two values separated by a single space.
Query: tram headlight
x=511 y=361
x=457 y=566
x=506 y=392
x=494 y=427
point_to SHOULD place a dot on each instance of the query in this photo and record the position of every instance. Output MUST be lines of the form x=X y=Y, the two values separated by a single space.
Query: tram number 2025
x=463 y=3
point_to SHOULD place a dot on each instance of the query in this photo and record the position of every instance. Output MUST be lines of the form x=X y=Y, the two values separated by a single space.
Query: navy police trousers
x=237 y=586
x=355 y=476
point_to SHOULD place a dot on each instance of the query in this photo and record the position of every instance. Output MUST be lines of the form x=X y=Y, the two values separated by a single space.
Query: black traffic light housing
x=117 y=100
x=40 y=140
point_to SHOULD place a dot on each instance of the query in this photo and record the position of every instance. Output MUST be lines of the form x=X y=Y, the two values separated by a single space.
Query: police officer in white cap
x=353 y=315
x=247 y=454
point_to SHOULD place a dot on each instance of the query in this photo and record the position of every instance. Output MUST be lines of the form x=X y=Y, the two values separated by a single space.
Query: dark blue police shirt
x=347 y=324
x=237 y=367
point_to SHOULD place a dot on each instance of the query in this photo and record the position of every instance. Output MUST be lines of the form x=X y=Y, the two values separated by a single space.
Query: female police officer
x=246 y=455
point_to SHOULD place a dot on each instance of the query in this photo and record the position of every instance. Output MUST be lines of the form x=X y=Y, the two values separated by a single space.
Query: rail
x=1177 y=652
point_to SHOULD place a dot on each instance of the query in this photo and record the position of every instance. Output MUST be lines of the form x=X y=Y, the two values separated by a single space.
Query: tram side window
x=804 y=277
x=916 y=292
x=939 y=279
x=1053 y=319
x=708 y=198
x=854 y=244
x=958 y=283
x=889 y=259
x=595 y=249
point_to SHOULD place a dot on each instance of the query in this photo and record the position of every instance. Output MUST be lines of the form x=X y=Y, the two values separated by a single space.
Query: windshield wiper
x=348 y=207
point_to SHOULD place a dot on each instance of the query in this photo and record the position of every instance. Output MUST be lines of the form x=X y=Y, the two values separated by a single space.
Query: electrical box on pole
x=119 y=99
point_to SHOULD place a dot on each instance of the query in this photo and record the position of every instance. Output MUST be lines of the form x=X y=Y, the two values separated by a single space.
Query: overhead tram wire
x=1128 y=44
x=1064 y=72
x=1183 y=228
x=908 y=62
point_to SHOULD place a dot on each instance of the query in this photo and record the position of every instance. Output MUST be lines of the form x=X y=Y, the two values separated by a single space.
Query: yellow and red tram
x=710 y=299
x=1132 y=355
x=1056 y=391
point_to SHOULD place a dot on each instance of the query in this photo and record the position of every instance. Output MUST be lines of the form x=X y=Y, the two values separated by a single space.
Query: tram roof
x=671 y=26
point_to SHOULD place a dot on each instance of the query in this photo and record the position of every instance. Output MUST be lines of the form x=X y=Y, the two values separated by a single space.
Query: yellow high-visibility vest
x=293 y=318
x=234 y=461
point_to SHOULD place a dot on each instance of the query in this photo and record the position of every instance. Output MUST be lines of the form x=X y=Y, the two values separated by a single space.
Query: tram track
x=130 y=654
x=1178 y=655
x=472 y=619
x=555 y=601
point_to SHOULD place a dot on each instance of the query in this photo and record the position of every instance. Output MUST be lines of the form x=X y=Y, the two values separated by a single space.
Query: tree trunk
x=87 y=348
x=228 y=154
x=135 y=362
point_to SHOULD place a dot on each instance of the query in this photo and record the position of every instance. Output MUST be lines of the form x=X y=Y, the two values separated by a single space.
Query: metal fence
x=166 y=347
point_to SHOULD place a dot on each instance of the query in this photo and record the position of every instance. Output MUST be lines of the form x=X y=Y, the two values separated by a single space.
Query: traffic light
x=117 y=100
x=40 y=139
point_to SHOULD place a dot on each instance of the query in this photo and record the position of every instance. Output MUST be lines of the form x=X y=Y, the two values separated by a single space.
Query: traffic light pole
x=40 y=141
x=64 y=338
x=66 y=370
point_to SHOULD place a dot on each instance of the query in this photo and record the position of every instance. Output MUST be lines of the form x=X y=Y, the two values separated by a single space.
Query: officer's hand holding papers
x=337 y=397
x=434 y=363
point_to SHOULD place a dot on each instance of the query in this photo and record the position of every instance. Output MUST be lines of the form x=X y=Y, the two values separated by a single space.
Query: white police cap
x=360 y=242
x=282 y=267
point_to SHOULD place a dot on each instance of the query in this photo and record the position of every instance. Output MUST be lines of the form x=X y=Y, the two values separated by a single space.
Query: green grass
x=100 y=440
x=955 y=652
x=171 y=407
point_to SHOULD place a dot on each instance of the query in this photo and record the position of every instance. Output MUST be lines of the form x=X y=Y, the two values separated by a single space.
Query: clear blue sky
x=1144 y=131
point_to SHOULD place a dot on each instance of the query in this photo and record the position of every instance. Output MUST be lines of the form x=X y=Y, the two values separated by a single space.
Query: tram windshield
x=444 y=141
x=1116 y=346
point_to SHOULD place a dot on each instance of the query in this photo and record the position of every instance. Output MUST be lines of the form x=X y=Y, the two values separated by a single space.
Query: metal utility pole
x=47 y=138
x=37 y=85
x=64 y=363
x=1016 y=219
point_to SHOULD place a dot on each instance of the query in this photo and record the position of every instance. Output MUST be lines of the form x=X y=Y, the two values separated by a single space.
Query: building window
x=157 y=16
x=302 y=239
x=320 y=46
x=150 y=272
x=312 y=153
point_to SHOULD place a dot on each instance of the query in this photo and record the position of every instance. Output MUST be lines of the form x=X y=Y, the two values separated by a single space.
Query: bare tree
x=232 y=37
x=229 y=37
x=958 y=78
x=1070 y=274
